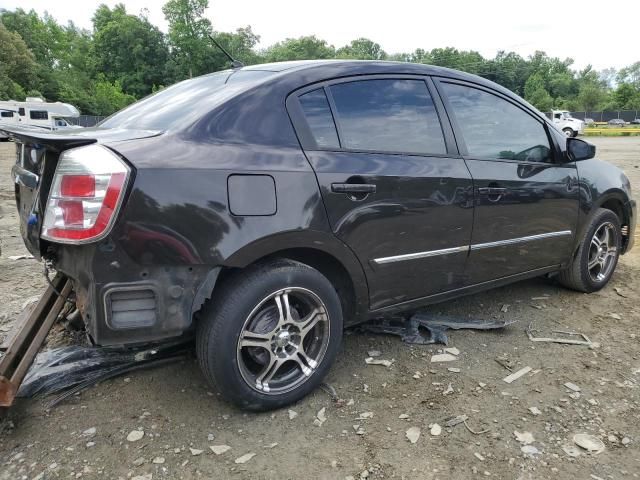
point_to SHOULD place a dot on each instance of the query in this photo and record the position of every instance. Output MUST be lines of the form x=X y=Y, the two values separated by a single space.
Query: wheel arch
x=319 y=250
x=614 y=200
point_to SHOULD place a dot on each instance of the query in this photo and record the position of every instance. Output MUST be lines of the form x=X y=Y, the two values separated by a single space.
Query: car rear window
x=183 y=103
x=318 y=114
x=390 y=115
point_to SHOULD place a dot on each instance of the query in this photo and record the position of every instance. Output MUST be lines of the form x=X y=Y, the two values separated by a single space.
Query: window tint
x=318 y=114
x=38 y=114
x=6 y=114
x=493 y=128
x=388 y=115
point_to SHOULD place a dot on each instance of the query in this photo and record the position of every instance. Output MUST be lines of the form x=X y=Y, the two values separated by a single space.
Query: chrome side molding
x=467 y=248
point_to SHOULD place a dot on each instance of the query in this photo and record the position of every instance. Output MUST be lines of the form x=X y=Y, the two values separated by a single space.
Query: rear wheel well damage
x=325 y=263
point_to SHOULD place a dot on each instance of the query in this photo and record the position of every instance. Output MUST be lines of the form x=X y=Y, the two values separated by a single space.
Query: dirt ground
x=86 y=436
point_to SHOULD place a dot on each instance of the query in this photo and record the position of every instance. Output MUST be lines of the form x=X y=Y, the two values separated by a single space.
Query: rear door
x=395 y=189
x=526 y=200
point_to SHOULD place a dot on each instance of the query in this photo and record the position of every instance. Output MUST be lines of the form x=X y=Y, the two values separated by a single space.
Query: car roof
x=311 y=71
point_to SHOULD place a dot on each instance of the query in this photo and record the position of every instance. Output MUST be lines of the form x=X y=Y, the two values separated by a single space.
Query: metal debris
x=568 y=341
x=516 y=375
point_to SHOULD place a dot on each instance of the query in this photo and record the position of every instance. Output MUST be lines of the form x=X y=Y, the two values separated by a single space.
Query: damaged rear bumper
x=123 y=302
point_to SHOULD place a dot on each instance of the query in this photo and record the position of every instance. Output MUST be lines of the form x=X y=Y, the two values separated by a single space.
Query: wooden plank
x=41 y=335
x=17 y=342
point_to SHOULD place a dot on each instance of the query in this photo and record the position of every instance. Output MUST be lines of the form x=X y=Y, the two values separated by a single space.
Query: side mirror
x=579 y=150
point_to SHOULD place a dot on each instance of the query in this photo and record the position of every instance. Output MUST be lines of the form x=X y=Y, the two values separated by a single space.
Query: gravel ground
x=366 y=434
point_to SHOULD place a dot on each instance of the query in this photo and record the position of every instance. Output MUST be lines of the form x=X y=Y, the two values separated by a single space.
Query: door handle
x=492 y=191
x=494 y=194
x=353 y=188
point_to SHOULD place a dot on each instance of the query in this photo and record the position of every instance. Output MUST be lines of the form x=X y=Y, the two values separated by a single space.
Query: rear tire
x=597 y=255
x=270 y=334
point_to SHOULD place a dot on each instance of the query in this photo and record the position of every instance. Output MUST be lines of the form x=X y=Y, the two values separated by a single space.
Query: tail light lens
x=86 y=193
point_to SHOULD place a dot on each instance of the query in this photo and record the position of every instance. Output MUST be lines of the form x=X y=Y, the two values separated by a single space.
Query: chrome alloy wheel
x=602 y=252
x=283 y=340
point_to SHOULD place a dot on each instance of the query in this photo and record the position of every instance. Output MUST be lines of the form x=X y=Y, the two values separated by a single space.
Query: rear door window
x=388 y=115
x=493 y=128
x=318 y=114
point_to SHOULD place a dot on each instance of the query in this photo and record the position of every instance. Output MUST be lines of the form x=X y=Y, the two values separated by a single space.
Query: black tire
x=225 y=323
x=568 y=132
x=579 y=276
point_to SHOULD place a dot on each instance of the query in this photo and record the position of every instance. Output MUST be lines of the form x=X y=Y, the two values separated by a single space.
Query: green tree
x=362 y=49
x=630 y=74
x=536 y=94
x=191 y=49
x=302 y=48
x=110 y=98
x=240 y=44
x=128 y=49
x=17 y=65
x=626 y=97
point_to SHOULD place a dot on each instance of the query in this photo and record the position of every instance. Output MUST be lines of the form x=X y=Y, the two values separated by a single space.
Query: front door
x=526 y=200
x=396 y=191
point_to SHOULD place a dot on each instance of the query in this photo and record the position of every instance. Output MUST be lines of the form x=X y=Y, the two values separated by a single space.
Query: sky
x=585 y=30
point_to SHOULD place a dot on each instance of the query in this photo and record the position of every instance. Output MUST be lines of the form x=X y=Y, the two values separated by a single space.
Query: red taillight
x=78 y=186
x=86 y=192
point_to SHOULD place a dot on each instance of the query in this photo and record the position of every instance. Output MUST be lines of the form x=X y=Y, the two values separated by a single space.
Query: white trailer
x=35 y=112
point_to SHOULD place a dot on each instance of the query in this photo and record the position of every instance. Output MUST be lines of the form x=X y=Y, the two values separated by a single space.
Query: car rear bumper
x=123 y=302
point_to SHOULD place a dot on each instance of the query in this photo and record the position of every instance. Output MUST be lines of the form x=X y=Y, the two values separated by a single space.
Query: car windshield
x=184 y=102
x=566 y=115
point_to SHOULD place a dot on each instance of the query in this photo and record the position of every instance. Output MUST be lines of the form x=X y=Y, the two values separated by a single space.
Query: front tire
x=597 y=255
x=569 y=132
x=270 y=334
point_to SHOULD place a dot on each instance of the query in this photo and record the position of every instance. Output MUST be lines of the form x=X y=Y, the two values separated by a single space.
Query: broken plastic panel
x=408 y=329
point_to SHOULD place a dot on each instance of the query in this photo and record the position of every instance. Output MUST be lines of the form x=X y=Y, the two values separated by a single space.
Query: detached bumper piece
x=33 y=325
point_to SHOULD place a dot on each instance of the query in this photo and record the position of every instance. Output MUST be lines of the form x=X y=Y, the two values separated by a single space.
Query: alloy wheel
x=283 y=340
x=602 y=252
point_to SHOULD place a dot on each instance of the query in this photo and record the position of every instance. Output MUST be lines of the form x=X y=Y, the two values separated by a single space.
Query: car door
x=526 y=198
x=395 y=189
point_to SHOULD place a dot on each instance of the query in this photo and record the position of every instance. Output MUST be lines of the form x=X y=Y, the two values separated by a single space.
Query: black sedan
x=266 y=208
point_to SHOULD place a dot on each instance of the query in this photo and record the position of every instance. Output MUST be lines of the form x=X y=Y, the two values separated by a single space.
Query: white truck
x=565 y=122
x=37 y=113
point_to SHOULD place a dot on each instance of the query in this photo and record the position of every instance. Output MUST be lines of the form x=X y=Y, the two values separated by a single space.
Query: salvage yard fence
x=626 y=115
x=86 y=120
